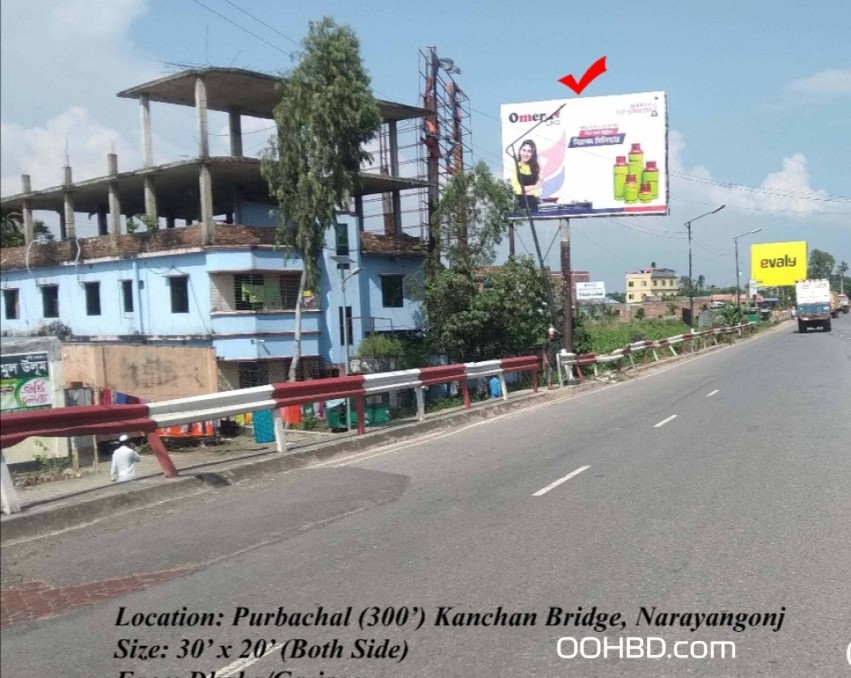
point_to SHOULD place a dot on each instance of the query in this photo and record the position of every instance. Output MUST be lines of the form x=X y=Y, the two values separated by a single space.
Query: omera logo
x=785 y=262
x=531 y=117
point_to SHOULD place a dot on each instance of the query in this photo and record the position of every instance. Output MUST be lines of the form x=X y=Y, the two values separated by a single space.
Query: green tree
x=619 y=297
x=820 y=265
x=458 y=315
x=40 y=228
x=841 y=270
x=326 y=115
x=11 y=229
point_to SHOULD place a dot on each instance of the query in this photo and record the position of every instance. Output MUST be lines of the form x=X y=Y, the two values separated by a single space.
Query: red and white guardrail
x=147 y=418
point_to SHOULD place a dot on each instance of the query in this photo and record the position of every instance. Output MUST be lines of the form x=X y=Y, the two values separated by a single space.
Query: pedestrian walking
x=124 y=460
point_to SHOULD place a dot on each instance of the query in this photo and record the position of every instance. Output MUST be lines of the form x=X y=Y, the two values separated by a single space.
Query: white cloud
x=787 y=191
x=59 y=89
x=40 y=151
x=827 y=84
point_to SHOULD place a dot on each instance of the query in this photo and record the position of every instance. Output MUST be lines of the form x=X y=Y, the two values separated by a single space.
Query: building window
x=50 y=301
x=631 y=296
x=349 y=326
x=256 y=292
x=179 y=294
x=10 y=303
x=92 y=298
x=391 y=291
x=249 y=292
x=127 y=295
x=644 y=283
x=341 y=238
x=289 y=285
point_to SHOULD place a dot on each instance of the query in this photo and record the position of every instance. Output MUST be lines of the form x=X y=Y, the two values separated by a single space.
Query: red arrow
x=596 y=69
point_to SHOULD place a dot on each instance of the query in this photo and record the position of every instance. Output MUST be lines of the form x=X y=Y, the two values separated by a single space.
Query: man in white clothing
x=124 y=461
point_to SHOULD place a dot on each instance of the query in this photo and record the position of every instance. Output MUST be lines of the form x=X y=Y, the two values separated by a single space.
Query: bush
x=380 y=346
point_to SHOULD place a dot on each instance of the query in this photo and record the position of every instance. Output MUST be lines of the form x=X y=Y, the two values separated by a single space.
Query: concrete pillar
x=68 y=195
x=147 y=154
x=201 y=111
x=29 y=227
x=238 y=196
x=150 y=198
x=235 y=124
x=205 y=182
x=103 y=227
x=8 y=495
x=114 y=200
x=63 y=232
x=397 y=213
x=147 y=146
x=280 y=431
x=394 y=149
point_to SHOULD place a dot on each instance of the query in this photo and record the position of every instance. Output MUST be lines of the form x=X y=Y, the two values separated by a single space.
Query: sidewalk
x=241 y=448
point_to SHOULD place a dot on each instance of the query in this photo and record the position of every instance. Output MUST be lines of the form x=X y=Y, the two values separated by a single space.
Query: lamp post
x=690 y=285
x=343 y=264
x=736 y=244
x=345 y=278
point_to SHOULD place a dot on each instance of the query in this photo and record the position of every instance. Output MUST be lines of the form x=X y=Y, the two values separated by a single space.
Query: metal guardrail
x=147 y=418
x=570 y=365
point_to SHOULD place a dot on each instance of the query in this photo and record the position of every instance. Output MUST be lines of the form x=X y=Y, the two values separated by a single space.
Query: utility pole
x=567 y=287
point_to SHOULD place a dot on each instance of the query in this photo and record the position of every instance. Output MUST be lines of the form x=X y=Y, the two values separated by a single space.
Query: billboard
x=597 y=156
x=590 y=290
x=779 y=263
x=25 y=382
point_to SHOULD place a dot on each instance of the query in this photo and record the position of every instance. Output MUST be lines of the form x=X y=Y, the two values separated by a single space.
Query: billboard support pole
x=512 y=152
x=567 y=287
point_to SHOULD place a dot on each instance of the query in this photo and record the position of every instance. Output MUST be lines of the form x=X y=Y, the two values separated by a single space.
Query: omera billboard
x=779 y=263
x=589 y=156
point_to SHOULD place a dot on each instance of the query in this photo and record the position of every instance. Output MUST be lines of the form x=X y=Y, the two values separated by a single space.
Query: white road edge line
x=665 y=421
x=234 y=668
x=709 y=395
x=551 y=486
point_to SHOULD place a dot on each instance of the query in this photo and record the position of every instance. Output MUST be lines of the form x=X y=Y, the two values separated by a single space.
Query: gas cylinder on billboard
x=621 y=170
x=636 y=162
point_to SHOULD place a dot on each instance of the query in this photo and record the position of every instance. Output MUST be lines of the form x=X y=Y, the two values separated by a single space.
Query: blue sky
x=759 y=96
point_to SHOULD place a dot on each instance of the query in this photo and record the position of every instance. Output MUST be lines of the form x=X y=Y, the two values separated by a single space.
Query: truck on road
x=813 y=303
x=842 y=299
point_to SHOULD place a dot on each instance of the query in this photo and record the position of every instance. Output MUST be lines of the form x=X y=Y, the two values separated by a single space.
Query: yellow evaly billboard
x=779 y=263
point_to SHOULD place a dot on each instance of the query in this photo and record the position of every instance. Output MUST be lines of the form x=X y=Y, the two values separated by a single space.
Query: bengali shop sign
x=25 y=382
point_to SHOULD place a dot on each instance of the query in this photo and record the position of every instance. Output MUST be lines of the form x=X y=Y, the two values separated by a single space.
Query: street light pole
x=690 y=285
x=736 y=243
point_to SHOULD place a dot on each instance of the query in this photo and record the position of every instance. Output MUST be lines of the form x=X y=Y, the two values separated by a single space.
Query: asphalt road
x=719 y=487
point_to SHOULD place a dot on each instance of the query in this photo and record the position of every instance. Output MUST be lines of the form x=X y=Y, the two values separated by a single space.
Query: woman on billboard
x=527 y=180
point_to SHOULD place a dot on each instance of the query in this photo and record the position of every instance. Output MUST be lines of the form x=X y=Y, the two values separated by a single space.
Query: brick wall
x=51 y=254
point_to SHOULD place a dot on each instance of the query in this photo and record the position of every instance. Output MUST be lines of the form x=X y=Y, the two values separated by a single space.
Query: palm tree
x=11 y=229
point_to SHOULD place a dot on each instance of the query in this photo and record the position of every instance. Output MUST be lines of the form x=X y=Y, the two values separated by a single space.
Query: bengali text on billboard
x=25 y=382
x=594 y=156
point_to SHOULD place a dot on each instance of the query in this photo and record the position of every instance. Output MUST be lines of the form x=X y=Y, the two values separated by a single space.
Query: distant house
x=651 y=284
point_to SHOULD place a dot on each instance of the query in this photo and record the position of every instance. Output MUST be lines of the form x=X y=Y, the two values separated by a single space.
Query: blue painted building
x=207 y=272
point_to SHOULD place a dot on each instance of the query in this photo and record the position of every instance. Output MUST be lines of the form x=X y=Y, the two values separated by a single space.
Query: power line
x=260 y=21
x=242 y=28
